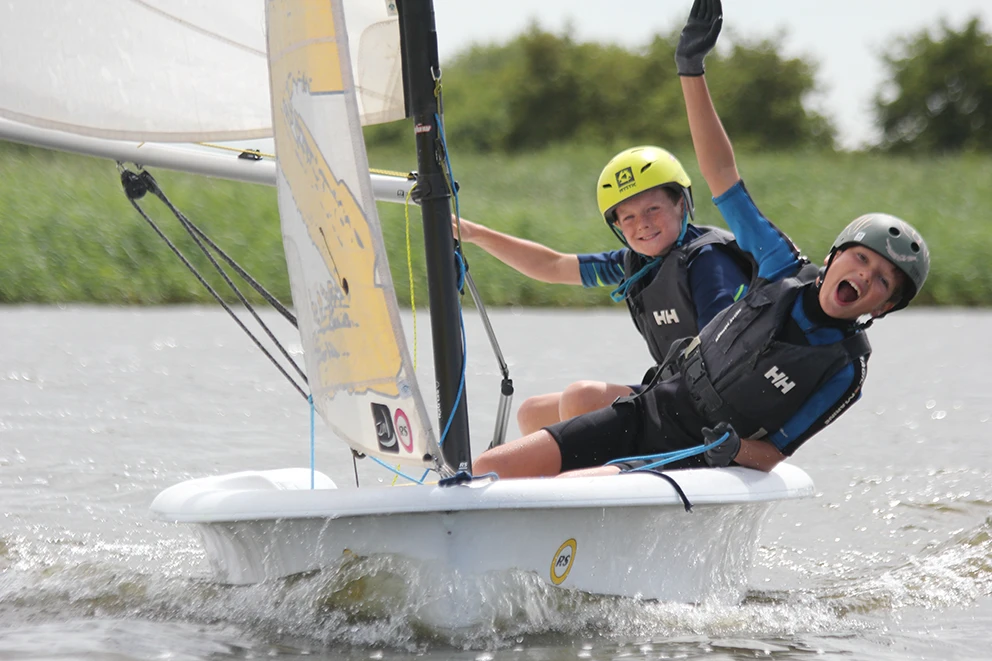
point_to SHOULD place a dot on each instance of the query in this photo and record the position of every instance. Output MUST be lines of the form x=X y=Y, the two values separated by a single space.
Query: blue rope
x=397 y=471
x=447 y=163
x=458 y=397
x=461 y=385
x=461 y=280
x=460 y=285
x=462 y=477
x=312 y=450
x=669 y=457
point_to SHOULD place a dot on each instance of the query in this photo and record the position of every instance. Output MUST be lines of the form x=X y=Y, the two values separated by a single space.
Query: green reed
x=68 y=234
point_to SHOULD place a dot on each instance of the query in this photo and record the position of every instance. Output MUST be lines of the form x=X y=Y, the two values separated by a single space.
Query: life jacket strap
x=707 y=400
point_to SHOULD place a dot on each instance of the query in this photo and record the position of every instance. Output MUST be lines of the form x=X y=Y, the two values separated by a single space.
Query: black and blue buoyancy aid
x=738 y=371
x=662 y=307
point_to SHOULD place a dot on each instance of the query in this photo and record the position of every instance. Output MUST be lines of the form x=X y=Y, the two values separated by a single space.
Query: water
x=102 y=408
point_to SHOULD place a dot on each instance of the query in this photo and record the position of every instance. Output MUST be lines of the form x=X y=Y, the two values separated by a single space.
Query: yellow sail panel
x=358 y=366
x=355 y=333
x=303 y=39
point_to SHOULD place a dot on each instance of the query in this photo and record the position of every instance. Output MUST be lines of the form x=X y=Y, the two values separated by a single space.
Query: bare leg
x=537 y=412
x=534 y=455
x=585 y=396
x=595 y=471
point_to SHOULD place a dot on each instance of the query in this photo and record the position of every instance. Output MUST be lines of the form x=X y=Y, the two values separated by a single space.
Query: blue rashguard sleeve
x=716 y=280
x=833 y=398
x=776 y=255
x=602 y=269
x=843 y=389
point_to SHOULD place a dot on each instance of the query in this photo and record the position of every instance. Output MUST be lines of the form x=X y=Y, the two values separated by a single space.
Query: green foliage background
x=941 y=92
x=68 y=234
x=542 y=89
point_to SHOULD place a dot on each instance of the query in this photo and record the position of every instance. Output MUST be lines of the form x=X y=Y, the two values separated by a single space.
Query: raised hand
x=724 y=453
x=698 y=36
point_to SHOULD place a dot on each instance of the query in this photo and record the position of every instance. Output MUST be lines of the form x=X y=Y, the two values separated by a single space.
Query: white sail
x=165 y=70
x=357 y=362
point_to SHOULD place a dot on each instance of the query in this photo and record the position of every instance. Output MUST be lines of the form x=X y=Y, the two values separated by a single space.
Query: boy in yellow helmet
x=771 y=370
x=674 y=276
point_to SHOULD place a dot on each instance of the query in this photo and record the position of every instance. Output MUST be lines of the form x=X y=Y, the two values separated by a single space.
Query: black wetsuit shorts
x=661 y=419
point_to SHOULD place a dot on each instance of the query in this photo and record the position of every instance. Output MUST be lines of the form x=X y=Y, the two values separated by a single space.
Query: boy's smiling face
x=859 y=281
x=650 y=221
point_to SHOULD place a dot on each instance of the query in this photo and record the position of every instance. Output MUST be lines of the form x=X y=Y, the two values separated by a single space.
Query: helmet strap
x=685 y=224
x=619 y=234
x=687 y=196
x=822 y=273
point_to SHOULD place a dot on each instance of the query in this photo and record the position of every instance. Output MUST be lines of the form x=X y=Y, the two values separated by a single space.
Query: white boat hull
x=626 y=535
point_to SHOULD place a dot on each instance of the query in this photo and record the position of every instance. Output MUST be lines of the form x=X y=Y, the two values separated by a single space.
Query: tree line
x=541 y=89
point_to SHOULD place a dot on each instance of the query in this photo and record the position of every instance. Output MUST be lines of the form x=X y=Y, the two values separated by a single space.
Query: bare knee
x=537 y=412
x=585 y=396
x=484 y=464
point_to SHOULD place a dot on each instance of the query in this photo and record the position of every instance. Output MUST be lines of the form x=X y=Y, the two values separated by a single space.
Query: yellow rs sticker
x=561 y=564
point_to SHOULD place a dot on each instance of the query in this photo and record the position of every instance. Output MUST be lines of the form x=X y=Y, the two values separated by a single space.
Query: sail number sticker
x=403 y=431
x=562 y=562
x=392 y=430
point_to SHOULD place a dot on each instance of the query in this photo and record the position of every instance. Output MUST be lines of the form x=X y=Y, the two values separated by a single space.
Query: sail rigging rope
x=398 y=472
x=409 y=267
x=453 y=192
x=313 y=449
x=135 y=187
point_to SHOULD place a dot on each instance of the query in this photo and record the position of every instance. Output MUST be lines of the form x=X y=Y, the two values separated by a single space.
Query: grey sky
x=844 y=36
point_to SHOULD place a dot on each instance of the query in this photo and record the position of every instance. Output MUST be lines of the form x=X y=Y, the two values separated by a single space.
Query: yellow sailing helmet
x=636 y=170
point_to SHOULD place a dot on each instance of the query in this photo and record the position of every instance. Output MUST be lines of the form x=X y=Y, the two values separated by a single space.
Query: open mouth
x=847 y=292
x=648 y=237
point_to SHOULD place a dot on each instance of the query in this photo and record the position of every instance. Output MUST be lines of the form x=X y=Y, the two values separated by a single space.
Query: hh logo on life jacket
x=664 y=317
x=780 y=379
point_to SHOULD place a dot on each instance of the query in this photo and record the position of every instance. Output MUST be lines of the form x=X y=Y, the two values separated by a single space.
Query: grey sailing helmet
x=897 y=241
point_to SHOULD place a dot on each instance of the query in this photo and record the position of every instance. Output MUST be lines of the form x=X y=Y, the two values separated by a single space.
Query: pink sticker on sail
x=403 y=431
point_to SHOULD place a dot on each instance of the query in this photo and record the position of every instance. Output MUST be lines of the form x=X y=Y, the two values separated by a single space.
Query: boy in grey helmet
x=771 y=370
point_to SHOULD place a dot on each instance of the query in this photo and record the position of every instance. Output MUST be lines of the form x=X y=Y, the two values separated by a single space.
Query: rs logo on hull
x=562 y=562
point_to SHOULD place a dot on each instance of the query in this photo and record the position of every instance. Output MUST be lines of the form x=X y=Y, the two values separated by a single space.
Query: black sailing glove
x=724 y=453
x=698 y=36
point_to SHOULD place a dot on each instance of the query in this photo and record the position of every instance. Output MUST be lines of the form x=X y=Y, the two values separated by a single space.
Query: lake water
x=102 y=408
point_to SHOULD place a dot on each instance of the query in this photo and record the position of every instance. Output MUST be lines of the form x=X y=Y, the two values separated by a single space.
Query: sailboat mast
x=418 y=38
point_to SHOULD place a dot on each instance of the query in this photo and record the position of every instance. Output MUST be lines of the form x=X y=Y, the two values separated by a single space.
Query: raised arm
x=713 y=149
x=528 y=257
